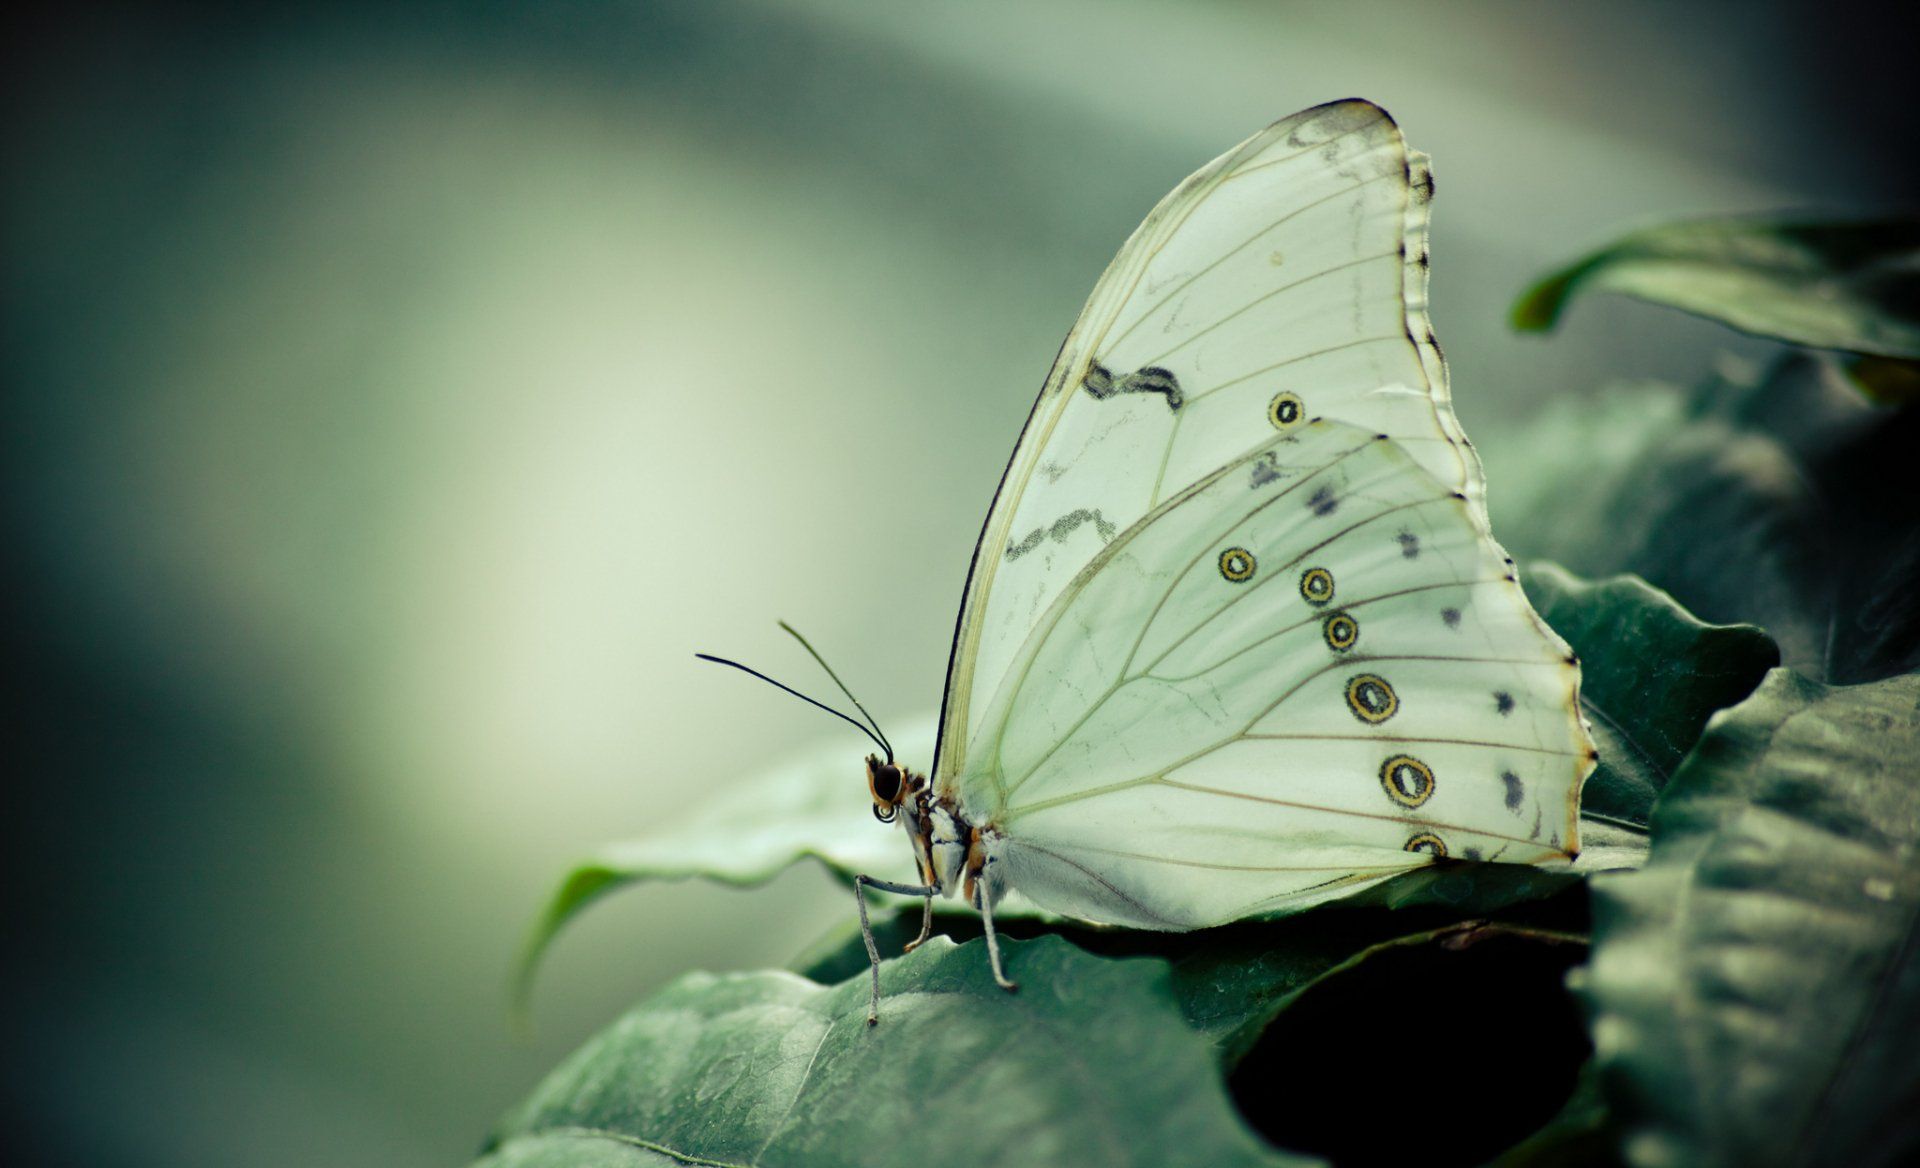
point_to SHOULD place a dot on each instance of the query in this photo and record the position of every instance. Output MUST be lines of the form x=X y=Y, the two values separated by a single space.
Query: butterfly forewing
x=1284 y=281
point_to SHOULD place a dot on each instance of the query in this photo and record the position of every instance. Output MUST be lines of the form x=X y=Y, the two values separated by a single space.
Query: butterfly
x=1236 y=638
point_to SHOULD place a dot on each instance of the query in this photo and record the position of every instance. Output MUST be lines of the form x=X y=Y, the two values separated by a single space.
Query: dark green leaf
x=1501 y=982
x=1756 y=987
x=1651 y=676
x=1089 y=1063
x=1232 y=980
x=1847 y=286
x=1870 y=481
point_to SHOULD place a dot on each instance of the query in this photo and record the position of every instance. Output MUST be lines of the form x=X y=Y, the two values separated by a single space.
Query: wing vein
x=1277 y=574
x=1310 y=619
x=1202 y=395
x=1410 y=820
x=1026 y=669
x=1235 y=250
x=1264 y=297
x=1406 y=738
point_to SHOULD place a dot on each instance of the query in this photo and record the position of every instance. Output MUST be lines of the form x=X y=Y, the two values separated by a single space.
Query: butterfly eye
x=885 y=782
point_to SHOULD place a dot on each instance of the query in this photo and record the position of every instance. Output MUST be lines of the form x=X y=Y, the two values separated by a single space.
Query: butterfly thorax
x=957 y=851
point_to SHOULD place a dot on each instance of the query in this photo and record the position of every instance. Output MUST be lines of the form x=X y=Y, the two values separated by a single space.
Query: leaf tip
x=1537 y=309
x=585 y=883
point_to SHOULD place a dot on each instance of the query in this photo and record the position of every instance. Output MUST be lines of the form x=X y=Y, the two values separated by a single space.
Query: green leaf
x=1089 y=1062
x=1230 y=981
x=816 y=808
x=1755 y=989
x=1847 y=286
x=1651 y=676
x=1501 y=982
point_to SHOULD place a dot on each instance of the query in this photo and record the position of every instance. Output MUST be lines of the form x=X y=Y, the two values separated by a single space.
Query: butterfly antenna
x=871 y=721
x=864 y=729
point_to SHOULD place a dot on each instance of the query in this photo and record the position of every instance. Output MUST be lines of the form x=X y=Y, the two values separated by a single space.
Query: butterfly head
x=889 y=785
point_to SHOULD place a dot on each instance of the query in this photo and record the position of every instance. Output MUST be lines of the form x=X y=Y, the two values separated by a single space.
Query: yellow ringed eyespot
x=1371 y=699
x=1409 y=782
x=1286 y=411
x=1341 y=631
x=1429 y=844
x=1237 y=564
x=1316 y=586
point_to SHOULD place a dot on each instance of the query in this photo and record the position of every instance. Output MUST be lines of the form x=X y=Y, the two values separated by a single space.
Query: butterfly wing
x=1306 y=671
x=1284 y=280
x=1282 y=283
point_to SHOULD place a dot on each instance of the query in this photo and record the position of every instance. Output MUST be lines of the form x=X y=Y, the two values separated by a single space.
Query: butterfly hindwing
x=1274 y=683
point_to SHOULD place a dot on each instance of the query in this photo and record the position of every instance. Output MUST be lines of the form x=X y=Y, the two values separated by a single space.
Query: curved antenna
x=871 y=721
x=879 y=741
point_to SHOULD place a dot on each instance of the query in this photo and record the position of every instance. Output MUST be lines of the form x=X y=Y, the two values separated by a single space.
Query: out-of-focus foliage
x=1854 y=287
x=1776 y=498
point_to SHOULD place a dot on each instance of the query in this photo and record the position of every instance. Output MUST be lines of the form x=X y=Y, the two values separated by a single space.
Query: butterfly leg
x=984 y=903
x=860 y=885
x=926 y=926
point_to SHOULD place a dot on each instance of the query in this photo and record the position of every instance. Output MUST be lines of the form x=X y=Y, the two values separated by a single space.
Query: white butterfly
x=1236 y=636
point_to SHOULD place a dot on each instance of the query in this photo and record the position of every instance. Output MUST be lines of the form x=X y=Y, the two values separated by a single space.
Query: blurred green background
x=398 y=396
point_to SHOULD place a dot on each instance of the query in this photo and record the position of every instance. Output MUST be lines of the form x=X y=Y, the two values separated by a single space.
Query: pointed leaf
x=1755 y=989
x=1848 y=286
x=815 y=808
x=1089 y=1062
x=1651 y=676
